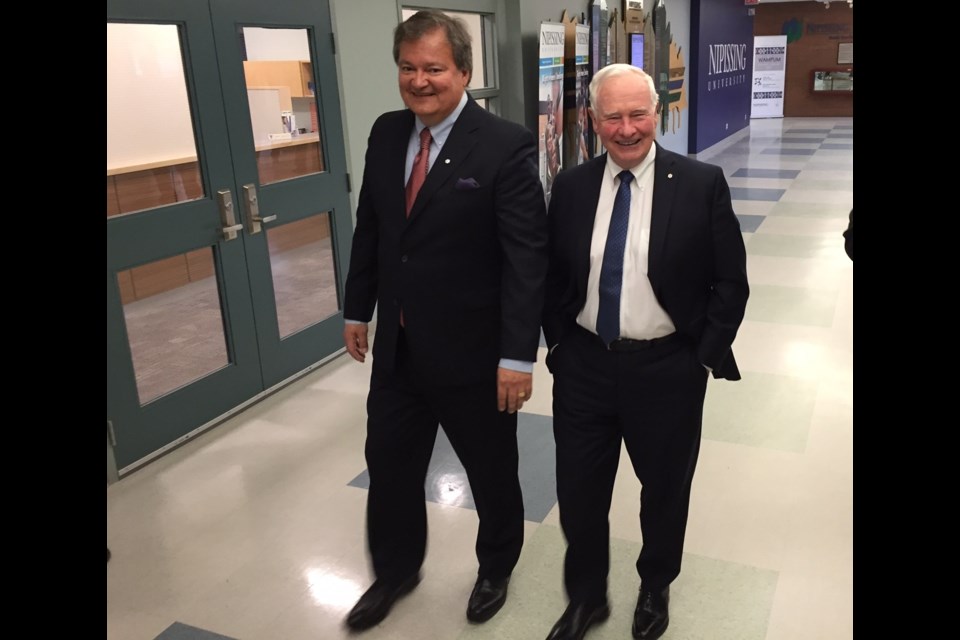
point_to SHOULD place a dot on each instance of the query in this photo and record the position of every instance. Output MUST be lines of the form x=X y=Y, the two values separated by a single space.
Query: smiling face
x=430 y=82
x=625 y=118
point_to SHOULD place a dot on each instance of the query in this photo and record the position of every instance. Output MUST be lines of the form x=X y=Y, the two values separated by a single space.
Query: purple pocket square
x=465 y=184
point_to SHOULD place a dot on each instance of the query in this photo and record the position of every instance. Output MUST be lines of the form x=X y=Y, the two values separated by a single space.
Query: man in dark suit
x=646 y=289
x=456 y=269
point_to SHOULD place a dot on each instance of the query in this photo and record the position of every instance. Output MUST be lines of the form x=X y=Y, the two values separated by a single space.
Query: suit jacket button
x=403 y=259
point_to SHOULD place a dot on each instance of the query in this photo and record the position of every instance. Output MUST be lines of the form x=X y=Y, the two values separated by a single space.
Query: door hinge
x=349 y=186
x=333 y=43
x=111 y=435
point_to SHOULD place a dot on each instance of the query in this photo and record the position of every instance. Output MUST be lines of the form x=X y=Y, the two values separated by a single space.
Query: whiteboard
x=264 y=114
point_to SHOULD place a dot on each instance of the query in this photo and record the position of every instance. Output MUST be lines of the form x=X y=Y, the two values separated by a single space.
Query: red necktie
x=419 y=173
x=417 y=177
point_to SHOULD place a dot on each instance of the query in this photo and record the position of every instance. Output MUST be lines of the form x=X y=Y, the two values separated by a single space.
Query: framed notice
x=769 y=72
x=845 y=53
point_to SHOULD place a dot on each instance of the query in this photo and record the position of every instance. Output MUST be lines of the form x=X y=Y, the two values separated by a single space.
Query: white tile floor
x=255 y=530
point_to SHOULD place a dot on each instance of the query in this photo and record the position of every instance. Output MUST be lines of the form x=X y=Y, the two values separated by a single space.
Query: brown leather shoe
x=577 y=619
x=650 y=619
x=487 y=598
x=374 y=605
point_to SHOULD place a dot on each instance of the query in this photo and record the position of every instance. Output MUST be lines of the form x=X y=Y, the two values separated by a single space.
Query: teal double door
x=228 y=212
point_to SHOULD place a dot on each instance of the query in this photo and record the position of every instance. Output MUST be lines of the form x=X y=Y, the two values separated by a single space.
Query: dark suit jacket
x=697 y=260
x=468 y=266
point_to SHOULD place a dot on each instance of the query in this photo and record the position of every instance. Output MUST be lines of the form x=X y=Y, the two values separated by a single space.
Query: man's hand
x=513 y=389
x=355 y=337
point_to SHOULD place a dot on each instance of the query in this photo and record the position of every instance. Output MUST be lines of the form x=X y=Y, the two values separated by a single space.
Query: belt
x=627 y=344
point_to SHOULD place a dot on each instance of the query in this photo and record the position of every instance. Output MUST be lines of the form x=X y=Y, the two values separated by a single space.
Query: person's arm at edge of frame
x=522 y=228
x=729 y=290
x=360 y=290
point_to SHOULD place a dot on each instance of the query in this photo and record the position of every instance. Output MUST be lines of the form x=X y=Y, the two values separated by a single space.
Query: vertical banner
x=550 y=112
x=576 y=84
x=598 y=59
x=769 y=71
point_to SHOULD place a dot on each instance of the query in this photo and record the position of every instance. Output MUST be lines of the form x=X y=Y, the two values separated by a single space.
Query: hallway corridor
x=255 y=529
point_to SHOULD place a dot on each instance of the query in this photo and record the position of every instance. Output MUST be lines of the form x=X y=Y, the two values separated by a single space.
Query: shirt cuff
x=345 y=321
x=516 y=365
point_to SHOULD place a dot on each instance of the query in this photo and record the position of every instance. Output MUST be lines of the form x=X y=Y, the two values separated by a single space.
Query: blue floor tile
x=800 y=140
x=777 y=174
x=447 y=481
x=748 y=223
x=180 y=631
x=789 y=152
x=752 y=193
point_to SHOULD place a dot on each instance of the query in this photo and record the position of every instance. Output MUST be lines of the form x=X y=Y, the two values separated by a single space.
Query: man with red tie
x=450 y=247
x=646 y=291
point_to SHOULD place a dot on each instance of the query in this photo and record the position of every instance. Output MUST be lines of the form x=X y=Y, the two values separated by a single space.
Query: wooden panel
x=817 y=47
x=289 y=162
x=145 y=189
x=199 y=264
x=297 y=234
x=125 y=283
x=186 y=181
x=274 y=73
x=162 y=275
x=113 y=204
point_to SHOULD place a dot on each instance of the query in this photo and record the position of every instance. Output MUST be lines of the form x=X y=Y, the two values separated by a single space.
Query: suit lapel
x=664 y=190
x=585 y=215
x=460 y=143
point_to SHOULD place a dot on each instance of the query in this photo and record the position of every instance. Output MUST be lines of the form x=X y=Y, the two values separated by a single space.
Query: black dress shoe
x=374 y=605
x=486 y=599
x=650 y=619
x=577 y=618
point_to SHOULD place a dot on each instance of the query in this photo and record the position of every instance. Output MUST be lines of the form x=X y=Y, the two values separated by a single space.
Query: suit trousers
x=652 y=401
x=404 y=412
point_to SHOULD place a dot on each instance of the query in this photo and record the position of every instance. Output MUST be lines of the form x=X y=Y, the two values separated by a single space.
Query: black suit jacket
x=468 y=266
x=697 y=260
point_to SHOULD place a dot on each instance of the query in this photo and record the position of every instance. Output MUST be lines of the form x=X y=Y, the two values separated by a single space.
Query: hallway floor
x=255 y=529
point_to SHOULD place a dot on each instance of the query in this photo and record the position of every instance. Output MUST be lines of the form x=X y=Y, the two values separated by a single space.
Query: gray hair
x=620 y=69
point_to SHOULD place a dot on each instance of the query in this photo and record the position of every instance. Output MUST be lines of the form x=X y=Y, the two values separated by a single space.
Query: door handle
x=254 y=220
x=227 y=217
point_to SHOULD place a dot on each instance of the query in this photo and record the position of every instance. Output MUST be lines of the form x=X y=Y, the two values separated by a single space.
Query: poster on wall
x=577 y=82
x=769 y=73
x=598 y=58
x=550 y=112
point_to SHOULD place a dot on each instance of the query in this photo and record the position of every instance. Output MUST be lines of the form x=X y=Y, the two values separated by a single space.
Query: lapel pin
x=447 y=161
x=669 y=175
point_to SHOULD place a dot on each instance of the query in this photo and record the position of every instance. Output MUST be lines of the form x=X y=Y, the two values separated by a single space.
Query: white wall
x=368 y=76
x=276 y=44
x=145 y=84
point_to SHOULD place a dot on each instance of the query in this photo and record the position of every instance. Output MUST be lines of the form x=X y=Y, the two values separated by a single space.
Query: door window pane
x=174 y=321
x=304 y=280
x=283 y=104
x=151 y=148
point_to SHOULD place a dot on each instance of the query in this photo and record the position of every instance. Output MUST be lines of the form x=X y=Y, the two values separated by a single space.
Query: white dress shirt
x=641 y=316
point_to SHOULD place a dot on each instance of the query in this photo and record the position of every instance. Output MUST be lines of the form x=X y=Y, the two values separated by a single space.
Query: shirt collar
x=439 y=133
x=613 y=169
